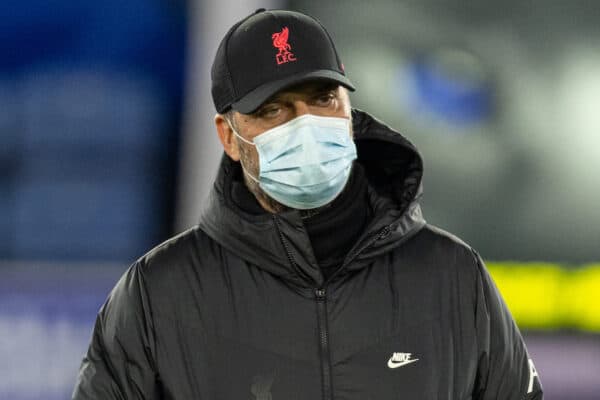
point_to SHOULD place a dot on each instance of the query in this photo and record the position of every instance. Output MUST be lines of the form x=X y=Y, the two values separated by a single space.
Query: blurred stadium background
x=107 y=148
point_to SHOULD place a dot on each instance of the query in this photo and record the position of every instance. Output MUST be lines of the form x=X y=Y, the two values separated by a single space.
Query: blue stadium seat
x=89 y=93
x=76 y=219
x=10 y=125
x=67 y=112
x=6 y=219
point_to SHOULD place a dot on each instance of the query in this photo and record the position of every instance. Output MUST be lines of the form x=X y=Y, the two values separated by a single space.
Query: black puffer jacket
x=237 y=307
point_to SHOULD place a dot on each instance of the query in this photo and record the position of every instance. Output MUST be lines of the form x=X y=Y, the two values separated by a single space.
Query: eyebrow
x=318 y=88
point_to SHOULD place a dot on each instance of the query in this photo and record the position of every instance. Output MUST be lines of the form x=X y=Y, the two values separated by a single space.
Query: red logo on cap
x=280 y=42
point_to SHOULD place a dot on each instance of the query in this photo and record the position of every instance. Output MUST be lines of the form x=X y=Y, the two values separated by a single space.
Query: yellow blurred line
x=550 y=296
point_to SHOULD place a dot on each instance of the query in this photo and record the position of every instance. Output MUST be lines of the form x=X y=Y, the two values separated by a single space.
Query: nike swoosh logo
x=394 y=364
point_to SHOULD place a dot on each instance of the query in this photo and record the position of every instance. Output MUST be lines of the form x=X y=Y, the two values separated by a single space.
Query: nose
x=301 y=108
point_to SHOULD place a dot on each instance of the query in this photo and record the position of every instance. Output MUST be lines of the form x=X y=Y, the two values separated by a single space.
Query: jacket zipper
x=327 y=387
x=321 y=298
x=287 y=249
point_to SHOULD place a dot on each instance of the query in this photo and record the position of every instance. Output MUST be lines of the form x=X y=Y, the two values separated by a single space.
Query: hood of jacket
x=279 y=242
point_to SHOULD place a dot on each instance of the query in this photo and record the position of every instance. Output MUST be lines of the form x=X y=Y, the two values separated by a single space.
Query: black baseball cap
x=268 y=51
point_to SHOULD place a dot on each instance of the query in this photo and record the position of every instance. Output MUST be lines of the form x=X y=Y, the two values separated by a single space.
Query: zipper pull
x=320 y=294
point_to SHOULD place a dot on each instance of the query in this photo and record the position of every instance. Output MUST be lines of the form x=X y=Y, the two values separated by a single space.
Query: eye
x=325 y=99
x=269 y=111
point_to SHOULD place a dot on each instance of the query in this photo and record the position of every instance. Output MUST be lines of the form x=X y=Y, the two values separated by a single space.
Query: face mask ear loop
x=238 y=135
x=246 y=141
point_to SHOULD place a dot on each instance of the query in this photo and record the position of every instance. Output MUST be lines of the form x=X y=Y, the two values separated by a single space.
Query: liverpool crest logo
x=280 y=42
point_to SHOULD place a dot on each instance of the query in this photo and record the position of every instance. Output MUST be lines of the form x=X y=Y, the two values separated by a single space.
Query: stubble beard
x=250 y=167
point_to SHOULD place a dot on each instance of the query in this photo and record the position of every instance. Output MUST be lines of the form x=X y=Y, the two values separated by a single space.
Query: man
x=312 y=274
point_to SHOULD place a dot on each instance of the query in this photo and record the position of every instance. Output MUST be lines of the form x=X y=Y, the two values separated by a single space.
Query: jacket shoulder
x=440 y=237
x=447 y=251
x=188 y=248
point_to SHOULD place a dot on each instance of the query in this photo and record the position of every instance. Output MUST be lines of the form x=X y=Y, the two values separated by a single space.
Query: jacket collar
x=279 y=243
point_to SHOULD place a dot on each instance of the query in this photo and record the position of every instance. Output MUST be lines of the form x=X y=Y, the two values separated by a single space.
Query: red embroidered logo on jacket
x=280 y=42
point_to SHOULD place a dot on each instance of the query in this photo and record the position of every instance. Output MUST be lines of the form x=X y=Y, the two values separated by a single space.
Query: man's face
x=318 y=98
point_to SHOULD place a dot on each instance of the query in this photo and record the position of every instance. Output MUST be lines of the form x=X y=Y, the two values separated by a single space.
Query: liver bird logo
x=280 y=42
x=261 y=386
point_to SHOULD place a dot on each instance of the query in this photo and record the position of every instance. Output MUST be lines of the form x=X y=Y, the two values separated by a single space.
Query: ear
x=227 y=137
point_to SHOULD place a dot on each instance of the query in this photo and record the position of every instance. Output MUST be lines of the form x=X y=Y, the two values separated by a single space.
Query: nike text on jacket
x=237 y=308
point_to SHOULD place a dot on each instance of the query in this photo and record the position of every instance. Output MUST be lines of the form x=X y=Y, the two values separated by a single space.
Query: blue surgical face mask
x=304 y=163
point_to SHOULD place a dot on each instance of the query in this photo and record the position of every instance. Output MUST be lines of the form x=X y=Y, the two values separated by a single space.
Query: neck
x=267 y=203
x=304 y=214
